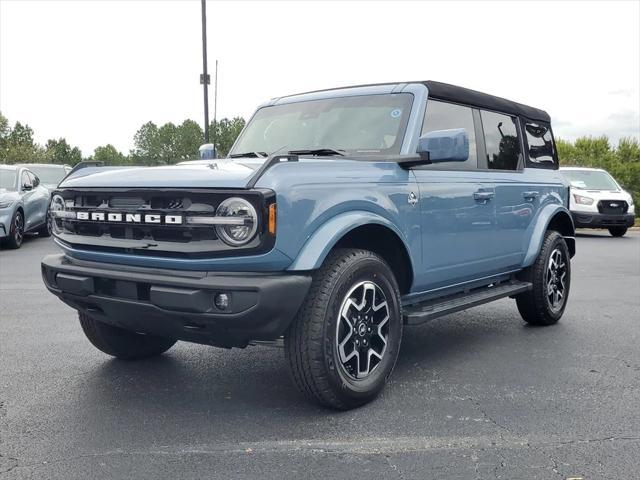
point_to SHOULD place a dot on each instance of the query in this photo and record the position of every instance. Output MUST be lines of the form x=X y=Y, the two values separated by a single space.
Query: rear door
x=517 y=198
x=458 y=217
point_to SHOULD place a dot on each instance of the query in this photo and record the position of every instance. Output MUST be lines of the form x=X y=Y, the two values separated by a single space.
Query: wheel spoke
x=362 y=329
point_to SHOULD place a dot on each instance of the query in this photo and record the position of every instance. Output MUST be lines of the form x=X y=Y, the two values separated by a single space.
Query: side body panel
x=458 y=231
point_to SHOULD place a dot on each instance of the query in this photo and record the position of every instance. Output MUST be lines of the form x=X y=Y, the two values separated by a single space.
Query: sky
x=94 y=71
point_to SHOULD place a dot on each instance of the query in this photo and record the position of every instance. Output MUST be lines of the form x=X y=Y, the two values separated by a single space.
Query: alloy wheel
x=556 y=274
x=362 y=330
x=18 y=229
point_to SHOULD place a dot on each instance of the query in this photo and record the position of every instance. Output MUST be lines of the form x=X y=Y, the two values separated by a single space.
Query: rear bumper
x=600 y=220
x=179 y=304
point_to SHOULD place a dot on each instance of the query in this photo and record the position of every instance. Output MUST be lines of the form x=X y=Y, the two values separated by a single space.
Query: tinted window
x=501 y=140
x=445 y=116
x=591 y=180
x=26 y=180
x=540 y=144
x=49 y=174
x=34 y=179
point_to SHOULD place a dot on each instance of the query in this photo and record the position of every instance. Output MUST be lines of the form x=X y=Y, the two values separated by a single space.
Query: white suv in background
x=597 y=201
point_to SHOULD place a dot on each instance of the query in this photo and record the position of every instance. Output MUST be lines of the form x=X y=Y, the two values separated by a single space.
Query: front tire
x=344 y=342
x=16 y=231
x=550 y=276
x=617 y=231
x=121 y=343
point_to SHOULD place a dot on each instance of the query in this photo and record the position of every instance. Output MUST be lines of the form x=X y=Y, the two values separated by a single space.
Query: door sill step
x=423 y=312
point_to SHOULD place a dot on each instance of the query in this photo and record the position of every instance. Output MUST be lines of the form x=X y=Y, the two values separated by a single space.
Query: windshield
x=7 y=179
x=51 y=175
x=361 y=124
x=591 y=180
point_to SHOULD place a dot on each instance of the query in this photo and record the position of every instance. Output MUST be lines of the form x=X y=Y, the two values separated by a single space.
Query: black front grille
x=182 y=240
x=613 y=207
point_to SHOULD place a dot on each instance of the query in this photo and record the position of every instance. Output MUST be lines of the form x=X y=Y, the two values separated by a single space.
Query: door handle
x=483 y=196
x=530 y=195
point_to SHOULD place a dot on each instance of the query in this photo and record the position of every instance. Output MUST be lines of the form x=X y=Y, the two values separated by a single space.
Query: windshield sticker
x=396 y=113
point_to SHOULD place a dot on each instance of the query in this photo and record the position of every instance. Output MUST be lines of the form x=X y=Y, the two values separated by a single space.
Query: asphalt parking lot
x=474 y=395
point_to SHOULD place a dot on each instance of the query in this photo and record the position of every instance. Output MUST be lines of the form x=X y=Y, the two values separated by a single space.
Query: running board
x=423 y=312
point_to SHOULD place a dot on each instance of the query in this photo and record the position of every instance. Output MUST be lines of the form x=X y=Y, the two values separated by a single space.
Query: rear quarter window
x=539 y=145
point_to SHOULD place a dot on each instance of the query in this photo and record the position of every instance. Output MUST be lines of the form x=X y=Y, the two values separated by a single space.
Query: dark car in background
x=24 y=204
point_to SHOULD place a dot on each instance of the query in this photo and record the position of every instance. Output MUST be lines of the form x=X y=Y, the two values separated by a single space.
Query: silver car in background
x=24 y=203
x=50 y=174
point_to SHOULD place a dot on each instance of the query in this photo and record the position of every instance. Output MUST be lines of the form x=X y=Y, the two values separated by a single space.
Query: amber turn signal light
x=272 y=219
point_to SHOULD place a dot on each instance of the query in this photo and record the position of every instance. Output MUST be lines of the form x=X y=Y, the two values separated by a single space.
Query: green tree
x=189 y=138
x=109 y=155
x=224 y=132
x=168 y=143
x=16 y=144
x=5 y=129
x=146 y=145
x=59 y=151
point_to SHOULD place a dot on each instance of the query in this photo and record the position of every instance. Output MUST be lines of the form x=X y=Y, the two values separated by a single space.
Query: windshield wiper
x=249 y=154
x=320 y=152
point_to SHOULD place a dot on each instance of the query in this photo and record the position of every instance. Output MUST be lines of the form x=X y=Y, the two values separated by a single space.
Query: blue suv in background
x=339 y=218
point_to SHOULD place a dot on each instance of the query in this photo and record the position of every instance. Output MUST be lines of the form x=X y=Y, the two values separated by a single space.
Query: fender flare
x=318 y=246
x=547 y=214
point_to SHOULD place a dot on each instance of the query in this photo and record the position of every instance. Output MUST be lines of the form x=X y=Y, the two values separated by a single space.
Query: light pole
x=204 y=77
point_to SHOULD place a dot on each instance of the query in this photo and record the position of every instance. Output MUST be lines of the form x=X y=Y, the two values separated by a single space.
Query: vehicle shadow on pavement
x=202 y=384
x=601 y=234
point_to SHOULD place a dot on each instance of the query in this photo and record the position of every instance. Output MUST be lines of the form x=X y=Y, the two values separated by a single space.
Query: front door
x=27 y=193
x=457 y=208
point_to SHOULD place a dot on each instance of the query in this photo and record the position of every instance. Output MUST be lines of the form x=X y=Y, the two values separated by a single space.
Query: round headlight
x=244 y=228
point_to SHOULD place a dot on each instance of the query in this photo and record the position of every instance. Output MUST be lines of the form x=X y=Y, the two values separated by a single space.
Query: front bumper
x=179 y=304
x=601 y=220
x=6 y=217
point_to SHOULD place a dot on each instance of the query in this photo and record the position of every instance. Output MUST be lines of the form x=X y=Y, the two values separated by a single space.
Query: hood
x=8 y=194
x=602 y=194
x=217 y=174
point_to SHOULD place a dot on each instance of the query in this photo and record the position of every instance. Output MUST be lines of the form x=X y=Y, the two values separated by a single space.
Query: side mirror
x=26 y=187
x=445 y=145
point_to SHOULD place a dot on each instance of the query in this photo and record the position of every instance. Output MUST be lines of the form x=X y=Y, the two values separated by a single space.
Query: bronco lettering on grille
x=148 y=218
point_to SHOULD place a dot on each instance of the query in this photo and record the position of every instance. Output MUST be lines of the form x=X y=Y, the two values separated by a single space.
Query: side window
x=501 y=140
x=541 y=151
x=34 y=179
x=26 y=180
x=445 y=116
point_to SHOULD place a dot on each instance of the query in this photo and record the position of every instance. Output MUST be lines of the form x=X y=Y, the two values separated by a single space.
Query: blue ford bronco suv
x=339 y=218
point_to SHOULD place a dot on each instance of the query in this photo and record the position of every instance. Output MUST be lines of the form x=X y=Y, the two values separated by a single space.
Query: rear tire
x=121 y=343
x=617 y=231
x=344 y=342
x=550 y=276
x=45 y=230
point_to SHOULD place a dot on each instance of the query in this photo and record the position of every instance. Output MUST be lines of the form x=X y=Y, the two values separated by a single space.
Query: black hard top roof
x=453 y=93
